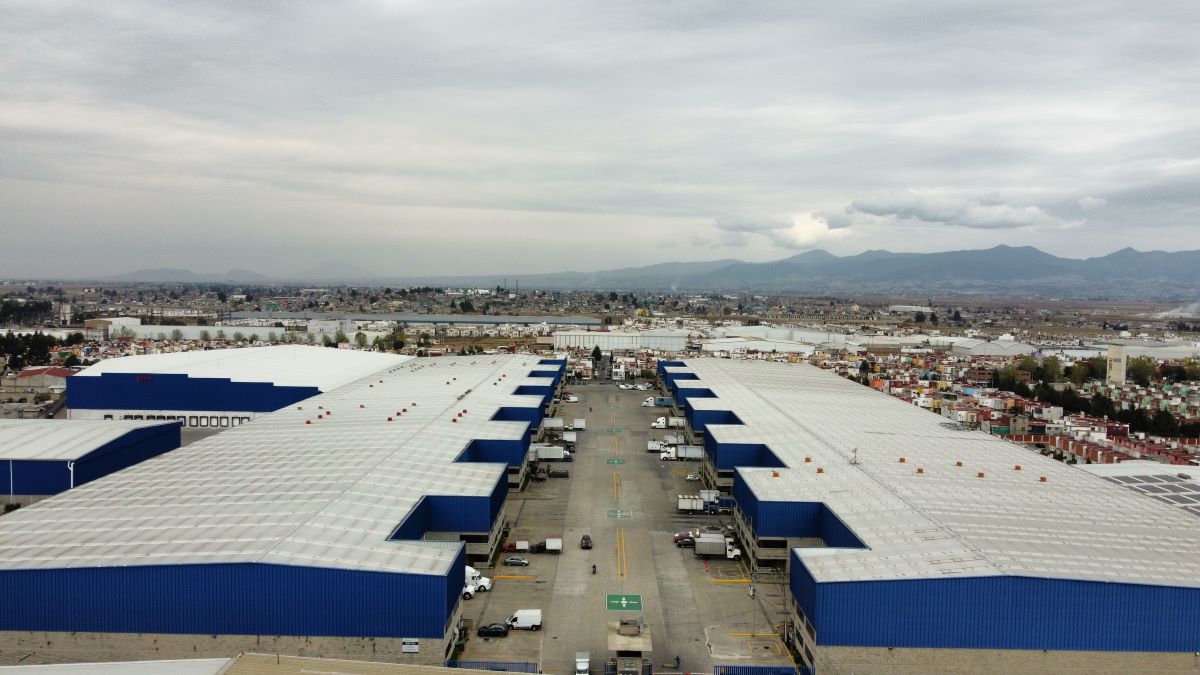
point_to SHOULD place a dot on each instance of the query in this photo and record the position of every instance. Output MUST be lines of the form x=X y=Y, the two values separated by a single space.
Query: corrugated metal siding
x=546 y=392
x=497 y=451
x=448 y=513
x=682 y=395
x=132 y=391
x=733 y=455
x=803 y=587
x=1007 y=613
x=50 y=477
x=132 y=448
x=515 y=414
x=554 y=375
x=229 y=599
x=700 y=419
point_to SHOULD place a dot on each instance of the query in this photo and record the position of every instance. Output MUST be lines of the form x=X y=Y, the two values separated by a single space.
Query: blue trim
x=156 y=391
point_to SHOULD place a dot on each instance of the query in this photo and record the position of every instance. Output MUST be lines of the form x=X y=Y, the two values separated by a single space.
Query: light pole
x=71 y=468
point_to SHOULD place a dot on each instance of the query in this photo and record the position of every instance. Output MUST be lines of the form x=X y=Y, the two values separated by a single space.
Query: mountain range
x=1002 y=270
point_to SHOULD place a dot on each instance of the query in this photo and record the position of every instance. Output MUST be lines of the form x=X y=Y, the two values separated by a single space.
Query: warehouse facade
x=337 y=526
x=218 y=388
x=912 y=546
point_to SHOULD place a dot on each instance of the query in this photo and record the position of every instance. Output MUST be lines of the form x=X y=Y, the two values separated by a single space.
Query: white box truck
x=690 y=503
x=708 y=544
x=676 y=422
x=525 y=619
x=551 y=453
x=653 y=446
x=578 y=424
x=689 y=452
x=554 y=545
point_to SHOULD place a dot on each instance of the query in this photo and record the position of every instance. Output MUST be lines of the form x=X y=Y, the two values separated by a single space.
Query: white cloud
x=1088 y=203
x=981 y=213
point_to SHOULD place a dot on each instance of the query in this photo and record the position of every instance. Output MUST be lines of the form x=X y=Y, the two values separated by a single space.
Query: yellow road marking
x=622 y=558
x=751 y=635
x=730 y=581
x=617 y=486
x=514 y=576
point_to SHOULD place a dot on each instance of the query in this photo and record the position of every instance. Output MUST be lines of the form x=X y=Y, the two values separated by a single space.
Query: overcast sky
x=455 y=137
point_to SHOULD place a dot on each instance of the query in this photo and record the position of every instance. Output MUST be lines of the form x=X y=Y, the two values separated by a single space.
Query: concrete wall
x=866 y=661
x=85 y=647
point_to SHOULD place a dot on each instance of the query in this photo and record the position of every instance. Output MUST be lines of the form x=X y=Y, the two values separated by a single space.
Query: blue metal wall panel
x=514 y=414
x=1008 y=613
x=497 y=451
x=49 y=477
x=448 y=513
x=662 y=366
x=682 y=395
x=554 y=375
x=803 y=586
x=546 y=392
x=700 y=419
x=130 y=391
x=229 y=599
x=733 y=455
x=132 y=448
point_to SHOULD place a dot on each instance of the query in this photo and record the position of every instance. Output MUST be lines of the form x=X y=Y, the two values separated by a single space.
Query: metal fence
x=504 y=666
x=762 y=670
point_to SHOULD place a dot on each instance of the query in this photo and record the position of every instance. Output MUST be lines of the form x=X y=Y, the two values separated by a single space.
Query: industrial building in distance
x=340 y=524
x=916 y=546
x=217 y=388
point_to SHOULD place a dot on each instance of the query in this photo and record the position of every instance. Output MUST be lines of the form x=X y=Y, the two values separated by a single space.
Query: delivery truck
x=689 y=452
x=550 y=453
x=578 y=424
x=525 y=619
x=716 y=545
x=690 y=503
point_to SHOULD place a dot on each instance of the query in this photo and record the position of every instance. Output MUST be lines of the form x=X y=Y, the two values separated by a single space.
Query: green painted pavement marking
x=613 y=430
x=618 y=513
x=614 y=461
x=623 y=603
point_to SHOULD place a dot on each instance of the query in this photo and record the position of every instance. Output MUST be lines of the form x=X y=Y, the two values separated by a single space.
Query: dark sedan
x=493 y=630
x=585 y=541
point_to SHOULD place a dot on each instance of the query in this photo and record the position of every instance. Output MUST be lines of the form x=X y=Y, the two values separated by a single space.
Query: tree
x=1078 y=373
x=176 y=334
x=957 y=316
x=1050 y=370
x=221 y=297
x=310 y=338
x=360 y=339
x=933 y=318
x=71 y=361
x=253 y=337
x=327 y=341
x=1141 y=369
x=467 y=307
x=204 y=336
x=238 y=337
x=919 y=317
x=596 y=353
x=272 y=337
x=340 y=337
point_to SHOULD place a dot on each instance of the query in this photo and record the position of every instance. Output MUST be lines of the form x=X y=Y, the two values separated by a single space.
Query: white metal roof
x=945 y=521
x=43 y=439
x=284 y=365
x=280 y=490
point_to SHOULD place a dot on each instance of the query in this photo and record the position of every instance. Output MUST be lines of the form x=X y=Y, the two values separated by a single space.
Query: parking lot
x=625 y=498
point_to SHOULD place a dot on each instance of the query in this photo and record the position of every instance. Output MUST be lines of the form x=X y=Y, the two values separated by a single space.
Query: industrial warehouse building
x=215 y=388
x=337 y=526
x=663 y=339
x=914 y=546
x=43 y=457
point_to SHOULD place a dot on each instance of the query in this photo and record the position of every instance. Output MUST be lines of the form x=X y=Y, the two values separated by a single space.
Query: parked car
x=686 y=535
x=585 y=541
x=685 y=543
x=516 y=561
x=493 y=630
x=570 y=398
x=692 y=476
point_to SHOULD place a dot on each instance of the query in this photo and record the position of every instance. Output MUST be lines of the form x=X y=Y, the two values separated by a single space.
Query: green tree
x=238 y=337
x=933 y=318
x=1141 y=369
x=360 y=339
x=467 y=307
x=176 y=334
x=596 y=353
x=919 y=317
x=1078 y=373
x=340 y=338
x=220 y=335
x=253 y=337
x=1051 y=369
x=957 y=316
x=204 y=336
x=1027 y=364
x=327 y=341
x=272 y=337
x=221 y=297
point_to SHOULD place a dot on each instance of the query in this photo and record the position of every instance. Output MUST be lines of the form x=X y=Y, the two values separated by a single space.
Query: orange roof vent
x=902 y=460
x=980 y=474
x=807 y=460
x=958 y=463
x=820 y=469
x=920 y=469
x=1017 y=467
x=774 y=474
x=1042 y=479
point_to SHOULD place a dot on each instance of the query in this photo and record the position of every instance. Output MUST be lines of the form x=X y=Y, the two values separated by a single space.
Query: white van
x=583 y=663
x=525 y=619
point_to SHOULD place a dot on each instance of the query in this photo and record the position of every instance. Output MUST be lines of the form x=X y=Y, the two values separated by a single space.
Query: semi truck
x=578 y=424
x=669 y=423
x=654 y=446
x=688 y=452
x=552 y=423
x=708 y=544
x=476 y=583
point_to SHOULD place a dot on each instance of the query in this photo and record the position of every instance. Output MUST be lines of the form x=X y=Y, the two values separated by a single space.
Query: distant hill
x=1001 y=270
x=168 y=275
